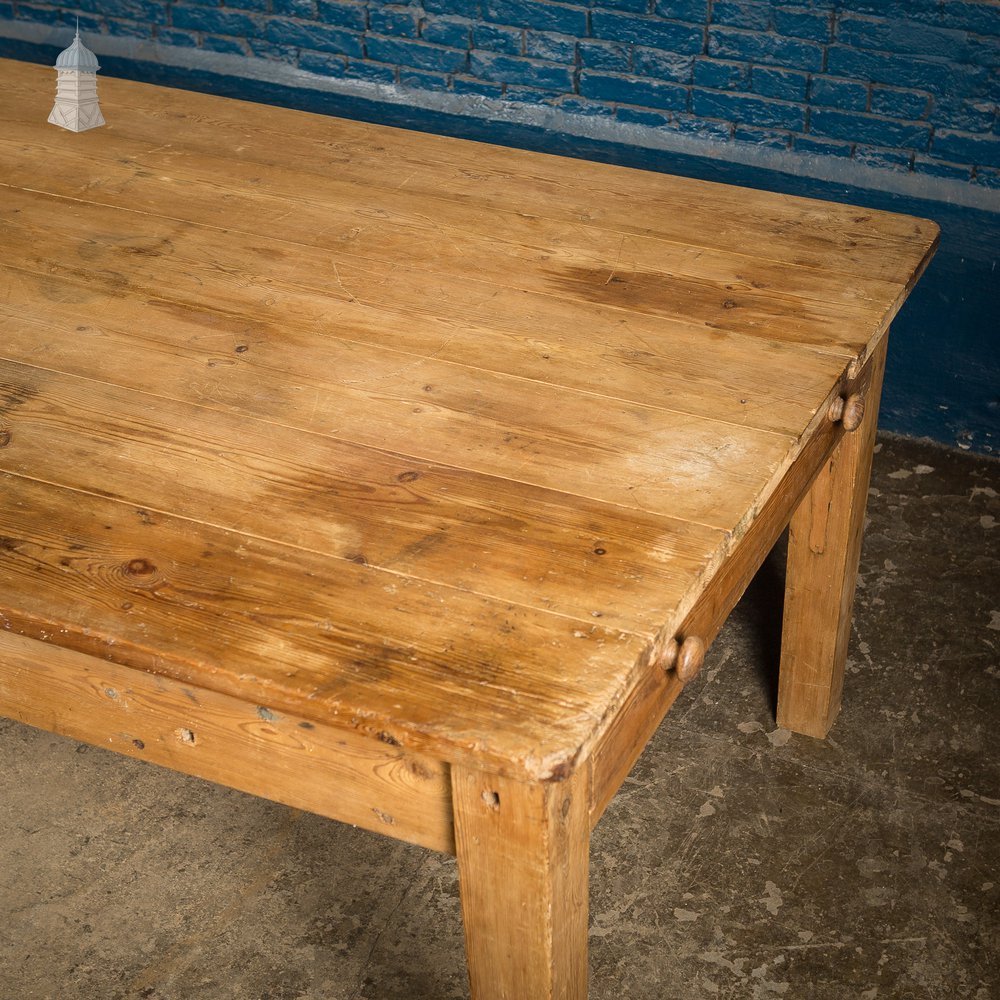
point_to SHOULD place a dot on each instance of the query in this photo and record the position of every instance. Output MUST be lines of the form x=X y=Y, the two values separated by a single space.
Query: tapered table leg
x=824 y=546
x=523 y=860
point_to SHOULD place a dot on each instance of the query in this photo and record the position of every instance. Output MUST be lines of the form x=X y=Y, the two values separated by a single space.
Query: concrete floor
x=737 y=861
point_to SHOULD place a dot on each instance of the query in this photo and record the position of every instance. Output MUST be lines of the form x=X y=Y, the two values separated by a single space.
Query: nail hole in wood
x=492 y=799
x=186 y=736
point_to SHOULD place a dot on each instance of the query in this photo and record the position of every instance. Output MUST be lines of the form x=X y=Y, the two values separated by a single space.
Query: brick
x=181 y=39
x=402 y=22
x=781 y=84
x=833 y=92
x=702 y=129
x=639 y=116
x=740 y=14
x=695 y=11
x=628 y=90
x=983 y=51
x=611 y=56
x=987 y=177
x=460 y=8
x=373 y=72
x=530 y=95
x=514 y=70
x=342 y=14
x=216 y=20
x=319 y=37
x=902 y=36
x=663 y=65
x=42 y=15
x=228 y=46
x=653 y=32
x=939 y=78
x=900 y=103
x=732 y=43
x=131 y=29
x=322 y=63
x=455 y=32
x=890 y=159
x=580 y=106
x=868 y=129
x=798 y=22
x=939 y=168
x=748 y=110
x=263 y=49
x=822 y=147
x=136 y=10
x=419 y=55
x=965 y=147
x=495 y=38
x=555 y=48
x=257 y=6
x=964 y=115
x=631 y=6
x=416 y=79
x=7 y=11
x=470 y=85
x=762 y=137
x=295 y=8
x=722 y=75
x=556 y=17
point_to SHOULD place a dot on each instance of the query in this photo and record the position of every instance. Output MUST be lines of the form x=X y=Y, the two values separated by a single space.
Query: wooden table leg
x=824 y=546
x=523 y=860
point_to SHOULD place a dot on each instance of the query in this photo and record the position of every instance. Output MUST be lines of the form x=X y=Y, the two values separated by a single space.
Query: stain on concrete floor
x=738 y=860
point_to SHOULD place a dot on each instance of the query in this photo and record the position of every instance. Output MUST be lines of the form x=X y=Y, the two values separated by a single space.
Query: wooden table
x=405 y=479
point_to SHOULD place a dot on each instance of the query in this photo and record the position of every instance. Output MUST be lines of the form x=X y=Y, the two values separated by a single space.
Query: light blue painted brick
x=530 y=95
x=869 y=130
x=613 y=57
x=322 y=63
x=630 y=6
x=940 y=168
x=722 y=75
x=740 y=14
x=460 y=8
x=898 y=34
x=256 y=6
x=834 y=92
x=524 y=72
x=754 y=46
x=770 y=138
x=639 y=116
x=653 y=32
x=135 y=10
x=373 y=72
x=940 y=78
x=452 y=31
x=342 y=13
x=216 y=20
x=702 y=129
x=403 y=22
x=419 y=55
x=987 y=177
x=581 y=106
x=294 y=8
x=319 y=37
x=695 y=11
x=416 y=79
x=470 y=85
x=744 y=109
x=545 y=45
x=228 y=46
x=782 y=84
x=561 y=18
x=891 y=159
x=497 y=38
x=182 y=39
x=629 y=90
x=899 y=103
x=966 y=147
x=663 y=65
x=822 y=147
x=801 y=22
x=130 y=29
x=264 y=49
x=965 y=115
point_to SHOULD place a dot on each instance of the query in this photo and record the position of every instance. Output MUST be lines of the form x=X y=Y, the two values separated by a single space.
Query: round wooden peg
x=854 y=412
x=667 y=655
x=690 y=658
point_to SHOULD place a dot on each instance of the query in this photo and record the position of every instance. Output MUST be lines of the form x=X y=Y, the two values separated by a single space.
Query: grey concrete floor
x=738 y=860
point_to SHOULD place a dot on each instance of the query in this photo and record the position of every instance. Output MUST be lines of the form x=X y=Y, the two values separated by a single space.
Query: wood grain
x=332 y=772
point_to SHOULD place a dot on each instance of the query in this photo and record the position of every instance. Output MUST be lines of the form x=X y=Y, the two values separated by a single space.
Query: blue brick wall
x=903 y=85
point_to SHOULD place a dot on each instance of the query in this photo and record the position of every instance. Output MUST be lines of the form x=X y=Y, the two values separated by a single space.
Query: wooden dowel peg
x=690 y=658
x=849 y=412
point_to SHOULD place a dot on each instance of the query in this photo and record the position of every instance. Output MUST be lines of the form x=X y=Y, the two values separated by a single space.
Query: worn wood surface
x=523 y=861
x=824 y=547
x=397 y=433
x=333 y=772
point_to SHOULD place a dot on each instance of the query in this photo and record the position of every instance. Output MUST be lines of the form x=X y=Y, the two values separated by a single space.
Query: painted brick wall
x=906 y=85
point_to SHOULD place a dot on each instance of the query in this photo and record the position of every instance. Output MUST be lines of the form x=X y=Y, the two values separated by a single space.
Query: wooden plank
x=616 y=281
x=625 y=732
x=446 y=674
x=843 y=238
x=693 y=469
x=523 y=862
x=253 y=748
x=578 y=558
x=824 y=548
